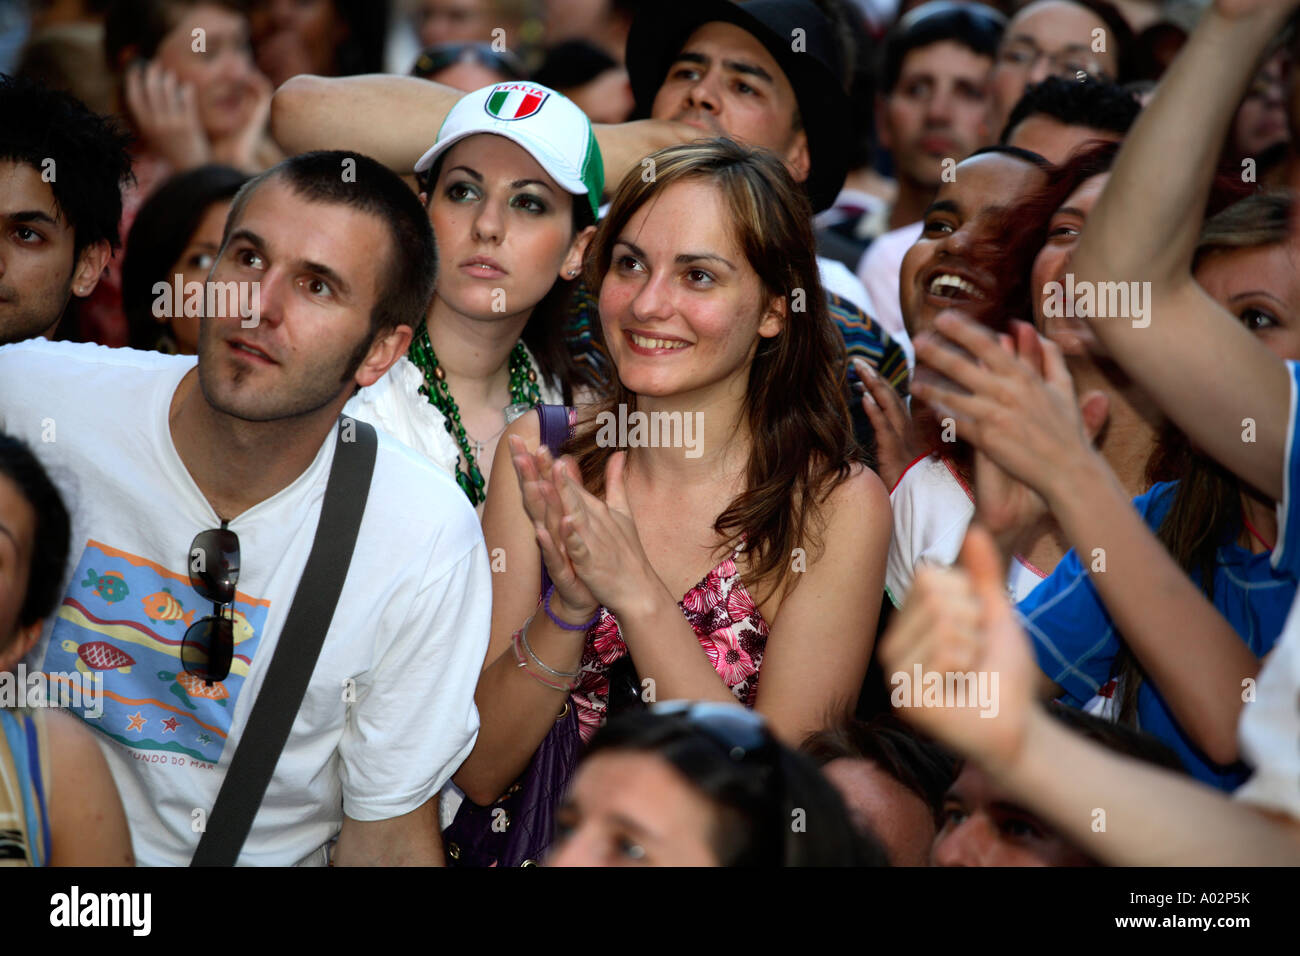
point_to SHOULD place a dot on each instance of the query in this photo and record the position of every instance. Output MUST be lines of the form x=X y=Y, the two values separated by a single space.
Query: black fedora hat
x=810 y=61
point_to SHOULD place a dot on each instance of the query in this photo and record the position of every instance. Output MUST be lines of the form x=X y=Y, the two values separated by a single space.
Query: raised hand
x=896 y=442
x=1021 y=411
x=601 y=539
x=167 y=114
x=958 y=621
x=572 y=600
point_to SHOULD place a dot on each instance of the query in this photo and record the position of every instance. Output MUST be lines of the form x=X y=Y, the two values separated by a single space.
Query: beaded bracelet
x=546 y=605
x=523 y=663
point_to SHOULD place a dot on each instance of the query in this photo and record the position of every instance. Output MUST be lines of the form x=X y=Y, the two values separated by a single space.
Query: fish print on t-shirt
x=125 y=618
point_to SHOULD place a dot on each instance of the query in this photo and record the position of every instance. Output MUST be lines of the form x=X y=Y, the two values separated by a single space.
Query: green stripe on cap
x=496 y=101
x=592 y=173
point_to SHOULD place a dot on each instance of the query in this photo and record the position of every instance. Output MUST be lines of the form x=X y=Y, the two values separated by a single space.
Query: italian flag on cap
x=515 y=101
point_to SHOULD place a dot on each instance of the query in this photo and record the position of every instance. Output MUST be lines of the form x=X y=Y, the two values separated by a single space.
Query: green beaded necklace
x=524 y=394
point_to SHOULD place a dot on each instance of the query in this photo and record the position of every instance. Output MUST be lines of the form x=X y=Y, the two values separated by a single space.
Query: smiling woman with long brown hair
x=758 y=549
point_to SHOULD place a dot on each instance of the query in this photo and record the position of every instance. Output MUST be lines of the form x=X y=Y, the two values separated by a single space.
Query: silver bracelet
x=523 y=637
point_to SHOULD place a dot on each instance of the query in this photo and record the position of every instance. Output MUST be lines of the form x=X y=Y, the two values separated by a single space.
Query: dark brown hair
x=803 y=442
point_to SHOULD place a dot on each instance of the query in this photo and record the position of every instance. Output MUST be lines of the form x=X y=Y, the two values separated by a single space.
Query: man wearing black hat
x=766 y=72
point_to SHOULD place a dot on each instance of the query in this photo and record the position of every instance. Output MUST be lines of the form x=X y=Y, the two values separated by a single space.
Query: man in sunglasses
x=196 y=494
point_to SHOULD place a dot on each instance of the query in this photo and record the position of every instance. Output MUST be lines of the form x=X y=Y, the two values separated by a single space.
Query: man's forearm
x=1125 y=812
x=412 y=839
x=1168 y=160
x=392 y=119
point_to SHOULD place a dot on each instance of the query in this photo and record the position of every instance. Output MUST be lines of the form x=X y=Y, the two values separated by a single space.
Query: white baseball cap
x=549 y=125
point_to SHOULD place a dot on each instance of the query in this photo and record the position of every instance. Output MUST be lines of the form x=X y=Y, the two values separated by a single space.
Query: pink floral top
x=726 y=620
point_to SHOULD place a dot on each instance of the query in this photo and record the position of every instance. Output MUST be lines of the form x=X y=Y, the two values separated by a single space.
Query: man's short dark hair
x=919 y=765
x=324 y=176
x=1121 y=739
x=1090 y=103
x=84 y=154
x=972 y=25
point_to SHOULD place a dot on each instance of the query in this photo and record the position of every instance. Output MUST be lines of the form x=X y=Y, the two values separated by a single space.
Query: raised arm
x=393 y=119
x=1030 y=426
x=515 y=709
x=1205 y=370
x=959 y=620
x=396 y=118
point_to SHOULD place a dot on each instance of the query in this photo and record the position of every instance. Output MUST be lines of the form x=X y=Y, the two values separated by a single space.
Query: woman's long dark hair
x=803 y=444
x=161 y=231
x=1206 y=511
x=759 y=796
x=544 y=333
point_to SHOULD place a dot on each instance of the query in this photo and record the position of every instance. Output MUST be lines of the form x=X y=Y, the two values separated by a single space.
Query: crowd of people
x=425 y=428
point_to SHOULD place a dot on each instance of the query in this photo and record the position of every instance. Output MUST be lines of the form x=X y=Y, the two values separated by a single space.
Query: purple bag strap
x=555 y=432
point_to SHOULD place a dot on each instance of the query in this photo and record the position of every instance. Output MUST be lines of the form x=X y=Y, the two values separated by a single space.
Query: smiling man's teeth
x=253 y=351
x=646 y=343
x=940 y=284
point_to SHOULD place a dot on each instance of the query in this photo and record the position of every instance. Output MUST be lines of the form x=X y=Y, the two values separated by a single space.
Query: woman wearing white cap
x=511 y=186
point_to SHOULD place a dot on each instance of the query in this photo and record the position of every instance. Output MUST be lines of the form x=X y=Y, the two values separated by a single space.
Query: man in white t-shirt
x=151 y=450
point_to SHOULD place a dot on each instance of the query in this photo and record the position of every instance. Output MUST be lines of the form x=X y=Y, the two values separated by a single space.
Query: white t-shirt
x=394 y=405
x=389 y=712
x=1269 y=731
x=838 y=280
x=932 y=509
x=879 y=270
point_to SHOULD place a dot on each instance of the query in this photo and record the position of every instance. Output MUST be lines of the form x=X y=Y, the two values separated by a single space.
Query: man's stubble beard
x=305 y=398
x=28 y=324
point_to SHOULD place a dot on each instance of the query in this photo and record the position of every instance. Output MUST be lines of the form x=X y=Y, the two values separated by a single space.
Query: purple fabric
x=484 y=836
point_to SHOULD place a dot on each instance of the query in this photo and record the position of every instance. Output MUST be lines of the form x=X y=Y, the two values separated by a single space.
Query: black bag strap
x=295 y=655
x=555 y=432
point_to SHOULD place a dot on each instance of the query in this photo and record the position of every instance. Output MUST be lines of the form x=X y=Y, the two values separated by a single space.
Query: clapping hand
x=537 y=472
x=896 y=442
x=600 y=538
x=1021 y=414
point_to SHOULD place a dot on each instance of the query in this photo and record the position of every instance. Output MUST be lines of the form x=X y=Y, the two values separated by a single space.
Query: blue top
x=20 y=753
x=1076 y=644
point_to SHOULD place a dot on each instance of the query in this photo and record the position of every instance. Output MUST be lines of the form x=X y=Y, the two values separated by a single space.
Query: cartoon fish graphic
x=162 y=606
x=243 y=629
x=110 y=585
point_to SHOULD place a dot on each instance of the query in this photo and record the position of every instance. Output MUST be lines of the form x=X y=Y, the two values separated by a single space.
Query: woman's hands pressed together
x=590 y=547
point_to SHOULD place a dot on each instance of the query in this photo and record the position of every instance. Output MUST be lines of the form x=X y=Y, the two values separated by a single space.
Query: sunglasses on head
x=741 y=733
x=209 y=644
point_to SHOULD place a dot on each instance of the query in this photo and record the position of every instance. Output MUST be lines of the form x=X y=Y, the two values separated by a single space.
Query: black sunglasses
x=741 y=733
x=209 y=644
